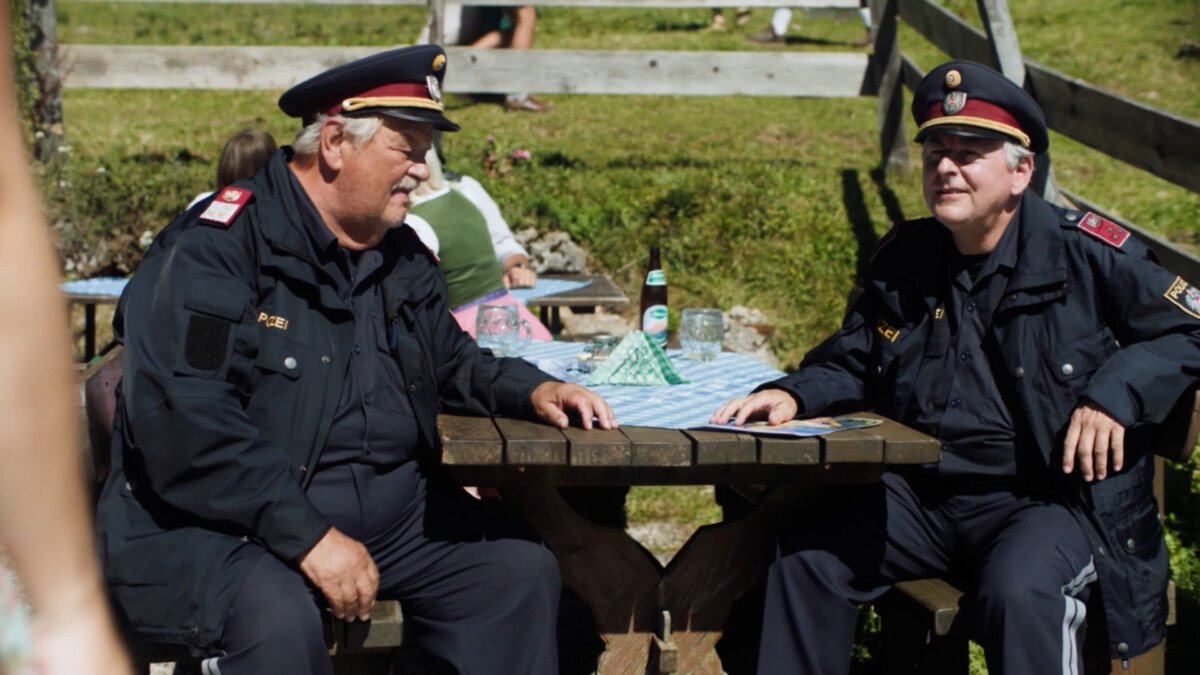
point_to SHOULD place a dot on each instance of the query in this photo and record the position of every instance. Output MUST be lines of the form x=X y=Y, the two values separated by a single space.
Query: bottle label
x=654 y=323
x=656 y=278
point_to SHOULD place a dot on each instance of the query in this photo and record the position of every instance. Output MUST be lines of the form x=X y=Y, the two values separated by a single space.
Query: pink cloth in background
x=466 y=316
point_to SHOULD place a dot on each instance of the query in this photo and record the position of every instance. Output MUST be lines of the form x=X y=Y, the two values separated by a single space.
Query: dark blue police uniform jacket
x=1080 y=318
x=237 y=346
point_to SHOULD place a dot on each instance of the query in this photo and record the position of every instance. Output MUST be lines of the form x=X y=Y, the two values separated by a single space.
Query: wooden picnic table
x=601 y=292
x=665 y=618
x=89 y=302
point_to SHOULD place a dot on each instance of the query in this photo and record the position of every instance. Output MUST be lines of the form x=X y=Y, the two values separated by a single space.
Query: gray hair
x=1013 y=153
x=360 y=131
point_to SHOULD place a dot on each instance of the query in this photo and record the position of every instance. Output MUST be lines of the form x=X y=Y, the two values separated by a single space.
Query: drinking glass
x=602 y=347
x=701 y=332
x=498 y=328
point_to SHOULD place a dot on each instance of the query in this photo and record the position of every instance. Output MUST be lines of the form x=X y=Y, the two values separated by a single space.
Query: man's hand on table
x=776 y=405
x=345 y=573
x=552 y=400
x=1091 y=438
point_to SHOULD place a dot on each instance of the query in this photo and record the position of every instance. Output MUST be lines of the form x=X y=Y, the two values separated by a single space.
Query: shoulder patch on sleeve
x=1105 y=230
x=226 y=205
x=1185 y=296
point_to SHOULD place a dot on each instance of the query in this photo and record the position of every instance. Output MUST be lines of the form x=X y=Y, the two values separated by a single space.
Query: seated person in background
x=1041 y=346
x=480 y=258
x=491 y=27
x=243 y=155
x=288 y=347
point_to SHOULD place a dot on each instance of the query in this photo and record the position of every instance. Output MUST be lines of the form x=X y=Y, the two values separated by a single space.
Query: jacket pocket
x=1140 y=548
x=1071 y=361
x=211 y=310
x=280 y=355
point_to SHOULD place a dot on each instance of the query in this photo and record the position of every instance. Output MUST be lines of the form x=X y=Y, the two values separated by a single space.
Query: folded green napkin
x=638 y=360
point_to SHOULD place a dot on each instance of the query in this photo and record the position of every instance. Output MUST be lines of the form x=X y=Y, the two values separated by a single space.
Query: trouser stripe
x=1074 y=617
x=210 y=667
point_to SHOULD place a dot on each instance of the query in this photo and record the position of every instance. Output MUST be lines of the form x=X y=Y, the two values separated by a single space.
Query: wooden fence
x=1164 y=144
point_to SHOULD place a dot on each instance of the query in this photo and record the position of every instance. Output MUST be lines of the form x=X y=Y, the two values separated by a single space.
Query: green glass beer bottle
x=654 y=300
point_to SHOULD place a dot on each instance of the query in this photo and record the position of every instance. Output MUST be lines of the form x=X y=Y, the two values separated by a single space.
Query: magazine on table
x=815 y=426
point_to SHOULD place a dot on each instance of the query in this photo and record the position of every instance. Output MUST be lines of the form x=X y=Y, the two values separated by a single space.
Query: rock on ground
x=746 y=333
x=662 y=538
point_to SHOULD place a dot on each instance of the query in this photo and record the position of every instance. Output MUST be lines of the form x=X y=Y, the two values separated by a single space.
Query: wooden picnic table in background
x=666 y=618
x=89 y=302
x=601 y=292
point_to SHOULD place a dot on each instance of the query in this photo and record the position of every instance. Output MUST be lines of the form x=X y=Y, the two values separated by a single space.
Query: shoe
x=864 y=41
x=767 y=37
x=743 y=17
x=528 y=104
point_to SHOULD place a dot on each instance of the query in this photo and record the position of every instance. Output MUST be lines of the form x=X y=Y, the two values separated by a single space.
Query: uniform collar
x=1003 y=256
x=1040 y=249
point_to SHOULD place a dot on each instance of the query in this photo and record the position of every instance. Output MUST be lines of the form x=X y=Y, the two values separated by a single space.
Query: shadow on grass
x=891 y=204
x=801 y=40
x=860 y=223
x=860 y=218
x=559 y=160
x=673 y=27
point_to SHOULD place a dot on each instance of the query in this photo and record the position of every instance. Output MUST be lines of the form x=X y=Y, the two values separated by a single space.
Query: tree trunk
x=45 y=74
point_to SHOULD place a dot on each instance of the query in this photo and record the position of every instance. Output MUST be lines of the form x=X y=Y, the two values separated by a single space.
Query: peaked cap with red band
x=403 y=83
x=962 y=98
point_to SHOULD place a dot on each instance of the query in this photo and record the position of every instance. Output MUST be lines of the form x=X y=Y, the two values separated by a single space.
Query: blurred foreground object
x=43 y=513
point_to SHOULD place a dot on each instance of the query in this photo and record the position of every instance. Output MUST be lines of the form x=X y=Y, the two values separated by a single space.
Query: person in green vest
x=480 y=258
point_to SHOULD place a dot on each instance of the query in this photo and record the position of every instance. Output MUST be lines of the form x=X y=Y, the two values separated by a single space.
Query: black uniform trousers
x=1028 y=561
x=477 y=590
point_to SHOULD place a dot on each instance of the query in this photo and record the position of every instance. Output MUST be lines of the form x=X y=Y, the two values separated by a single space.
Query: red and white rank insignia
x=225 y=206
x=1105 y=230
x=1185 y=296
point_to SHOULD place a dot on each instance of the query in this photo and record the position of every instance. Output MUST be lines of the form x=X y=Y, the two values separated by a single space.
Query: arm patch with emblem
x=1185 y=296
x=206 y=341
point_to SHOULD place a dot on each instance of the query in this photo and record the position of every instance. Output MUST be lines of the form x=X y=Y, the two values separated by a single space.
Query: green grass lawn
x=765 y=202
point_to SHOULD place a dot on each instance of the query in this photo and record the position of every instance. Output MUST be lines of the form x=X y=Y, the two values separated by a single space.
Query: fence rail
x=836 y=5
x=1164 y=144
x=817 y=74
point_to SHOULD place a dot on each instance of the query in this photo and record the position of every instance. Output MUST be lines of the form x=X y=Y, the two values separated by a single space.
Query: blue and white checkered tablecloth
x=114 y=286
x=545 y=287
x=677 y=406
x=98 y=286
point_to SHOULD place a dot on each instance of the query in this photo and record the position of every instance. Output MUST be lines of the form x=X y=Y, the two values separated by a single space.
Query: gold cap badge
x=439 y=62
x=953 y=79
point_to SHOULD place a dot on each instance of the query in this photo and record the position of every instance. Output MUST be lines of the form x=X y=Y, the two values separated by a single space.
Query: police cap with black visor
x=962 y=98
x=404 y=83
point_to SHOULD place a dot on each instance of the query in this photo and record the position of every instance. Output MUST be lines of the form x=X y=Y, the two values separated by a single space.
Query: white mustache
x=407 y=184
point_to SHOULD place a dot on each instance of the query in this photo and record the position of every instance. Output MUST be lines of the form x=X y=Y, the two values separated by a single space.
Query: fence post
x=1002 y=36
x=889 y=102
x=437 y=22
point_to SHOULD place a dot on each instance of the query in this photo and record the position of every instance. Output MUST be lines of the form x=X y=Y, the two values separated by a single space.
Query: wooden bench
x=921 y=631
x=357 y=647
